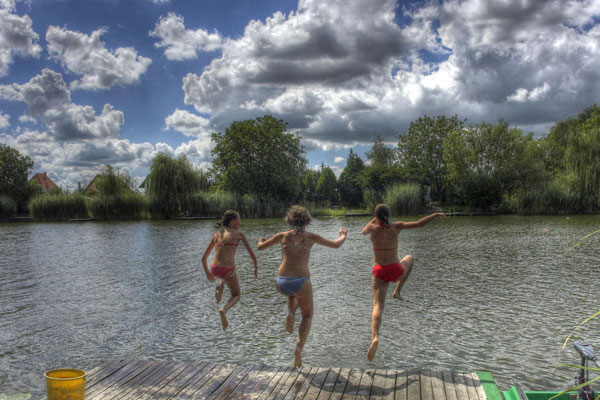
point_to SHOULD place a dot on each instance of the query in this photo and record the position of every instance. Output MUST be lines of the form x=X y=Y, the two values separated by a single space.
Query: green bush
x=129 y=205
x=8 y=207
x=58 y=207
x=404 y=199
x=553 y=198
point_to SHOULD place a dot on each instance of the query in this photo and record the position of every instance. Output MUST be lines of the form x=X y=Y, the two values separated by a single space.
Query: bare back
x=385 y=243
x=295 y=253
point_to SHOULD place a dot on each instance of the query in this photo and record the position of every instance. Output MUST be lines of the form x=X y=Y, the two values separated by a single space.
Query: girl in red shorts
x=386 y=266
x=225 y=242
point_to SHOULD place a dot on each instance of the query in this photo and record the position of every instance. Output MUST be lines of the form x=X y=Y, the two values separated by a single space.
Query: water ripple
x=499 y=294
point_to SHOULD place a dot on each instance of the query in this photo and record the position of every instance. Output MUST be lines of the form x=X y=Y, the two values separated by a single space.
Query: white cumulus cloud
x=4 y=120
x=182 y=43
x=87 y=55
x=189 y=124
x=16 y=36
x=49 y=100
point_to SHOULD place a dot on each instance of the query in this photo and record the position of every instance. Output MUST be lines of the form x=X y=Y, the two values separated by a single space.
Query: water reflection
x=495 y=293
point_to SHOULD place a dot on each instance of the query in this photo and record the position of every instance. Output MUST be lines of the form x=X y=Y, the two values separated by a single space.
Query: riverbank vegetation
x=259 y=169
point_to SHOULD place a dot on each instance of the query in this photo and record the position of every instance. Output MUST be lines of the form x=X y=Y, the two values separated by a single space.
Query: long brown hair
x=228 y=216
x=383 y=212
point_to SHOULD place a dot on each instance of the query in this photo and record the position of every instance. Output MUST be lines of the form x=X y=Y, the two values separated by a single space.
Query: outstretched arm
x=251 y=252
x=265 y=244
x=207 y=252
x=420 y=223
x=331 y=243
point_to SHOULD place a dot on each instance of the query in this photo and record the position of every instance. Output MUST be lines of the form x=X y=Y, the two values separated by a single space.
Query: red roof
x=45 y=182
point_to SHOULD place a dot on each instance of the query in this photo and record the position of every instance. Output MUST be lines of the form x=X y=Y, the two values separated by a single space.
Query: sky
x=86 y=83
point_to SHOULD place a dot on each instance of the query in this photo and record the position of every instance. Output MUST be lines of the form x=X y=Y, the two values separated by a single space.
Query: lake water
x=494 y=293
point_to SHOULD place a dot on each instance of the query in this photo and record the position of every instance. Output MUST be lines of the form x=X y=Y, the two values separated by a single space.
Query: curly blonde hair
x=297 y=218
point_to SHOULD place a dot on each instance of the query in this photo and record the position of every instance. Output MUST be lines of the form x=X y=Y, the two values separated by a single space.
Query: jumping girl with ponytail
x=225 y=242
x=293 y=277
x=386 y=266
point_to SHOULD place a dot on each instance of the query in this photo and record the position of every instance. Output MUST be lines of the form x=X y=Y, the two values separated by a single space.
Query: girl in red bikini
x=386 y=266
x=225 y=242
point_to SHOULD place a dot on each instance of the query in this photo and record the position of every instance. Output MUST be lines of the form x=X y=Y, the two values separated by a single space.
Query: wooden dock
x=135 y=379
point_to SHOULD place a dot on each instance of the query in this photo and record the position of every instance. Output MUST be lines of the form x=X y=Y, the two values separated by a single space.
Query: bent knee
x=408 y=259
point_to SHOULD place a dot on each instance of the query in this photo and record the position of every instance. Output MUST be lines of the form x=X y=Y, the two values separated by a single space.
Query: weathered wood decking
x=134 y=379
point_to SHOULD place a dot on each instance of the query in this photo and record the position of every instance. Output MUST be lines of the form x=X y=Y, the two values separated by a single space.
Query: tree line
x=261 y=168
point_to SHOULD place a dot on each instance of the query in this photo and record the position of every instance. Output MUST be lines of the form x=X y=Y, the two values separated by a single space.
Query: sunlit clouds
x=337 y=72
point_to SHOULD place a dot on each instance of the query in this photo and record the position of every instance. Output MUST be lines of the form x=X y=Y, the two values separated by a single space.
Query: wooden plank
x=278 y=384
x=262 y=381
x=461 y=388
x=353 y=384
x=125 y=386
x=329 y=384
x=126 y=373
x=366 y=382
x=244 y=385
x=379 y=376
x=104 y=371
x=190 y=372
x=215 y=381
x=478 y=386
x=234 y=380
x=389 y=385
x=426 y=385
x=437 y=384
x=340 y=384
x=285 y=385
x=200 y=381
x=161 y=378
x=145 y=381
x=470 y=386
x=413 y=385
x=316 y=384
x=449 y=387
x=301 y=385
x=247 y=384
x=401 y=392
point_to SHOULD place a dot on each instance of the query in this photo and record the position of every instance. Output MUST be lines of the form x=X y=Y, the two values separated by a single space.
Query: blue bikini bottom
x=291 y=286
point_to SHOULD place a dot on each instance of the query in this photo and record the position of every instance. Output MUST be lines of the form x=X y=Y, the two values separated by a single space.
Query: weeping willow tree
x=111 y=183
x=170 y=181
x=583 y=161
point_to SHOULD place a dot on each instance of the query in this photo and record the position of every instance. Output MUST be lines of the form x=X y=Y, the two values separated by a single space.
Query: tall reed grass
x=8 y=207
x=554 y=198
x=129 y=205
x=213 y=204
x=58 y=207
x=405 y=199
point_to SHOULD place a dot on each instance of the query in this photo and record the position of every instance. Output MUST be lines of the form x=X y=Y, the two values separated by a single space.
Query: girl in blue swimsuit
x=293 y=277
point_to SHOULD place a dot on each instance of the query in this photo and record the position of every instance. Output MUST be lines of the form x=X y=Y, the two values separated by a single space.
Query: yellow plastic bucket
x=65 y=384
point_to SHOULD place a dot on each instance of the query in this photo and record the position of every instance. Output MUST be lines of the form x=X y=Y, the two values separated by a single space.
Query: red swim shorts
x=389 y=272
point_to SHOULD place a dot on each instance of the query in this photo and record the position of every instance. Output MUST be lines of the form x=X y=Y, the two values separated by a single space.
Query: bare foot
x=398 y=296
x=219 y=291
x=224 y=322
x=297 y=358
x=372 y=349
x=289 y=323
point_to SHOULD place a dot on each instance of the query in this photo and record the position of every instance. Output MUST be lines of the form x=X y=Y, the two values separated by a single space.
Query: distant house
x=46 y=183
x=90 y=190
x=142 y=187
